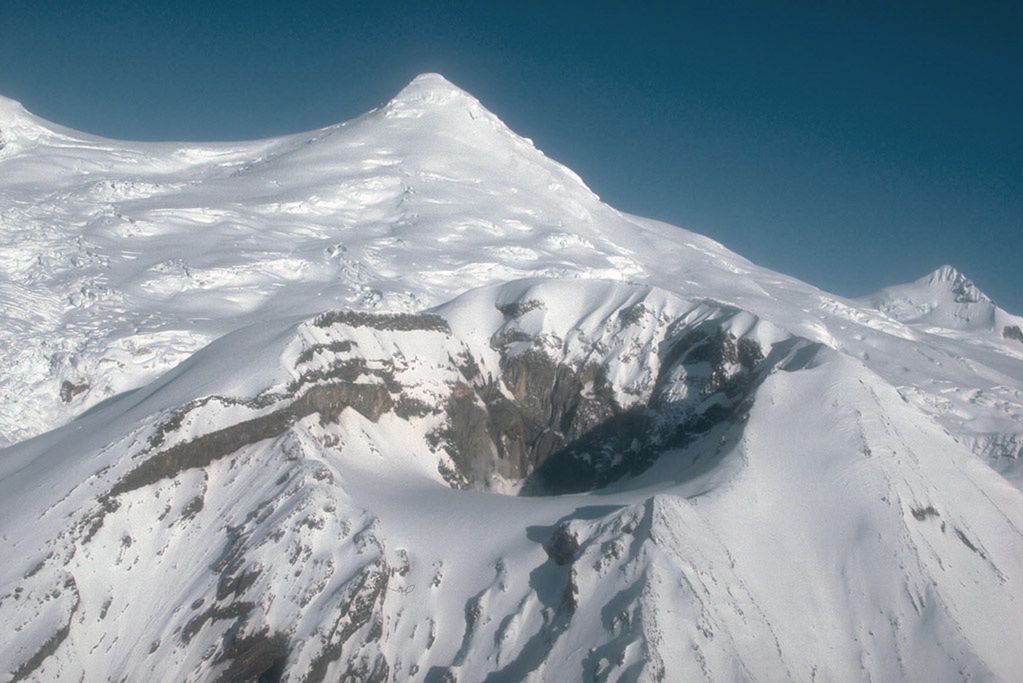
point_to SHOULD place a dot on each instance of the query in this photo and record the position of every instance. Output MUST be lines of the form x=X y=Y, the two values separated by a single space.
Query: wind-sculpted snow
x=401 y=399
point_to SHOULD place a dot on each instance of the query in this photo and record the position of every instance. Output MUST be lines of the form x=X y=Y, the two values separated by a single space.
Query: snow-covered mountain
x=401 y=399
x=946 y=301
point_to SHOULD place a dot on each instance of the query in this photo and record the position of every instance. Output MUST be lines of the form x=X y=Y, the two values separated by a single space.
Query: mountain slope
x=946 y=300
x=327 y=541
x=264 y=398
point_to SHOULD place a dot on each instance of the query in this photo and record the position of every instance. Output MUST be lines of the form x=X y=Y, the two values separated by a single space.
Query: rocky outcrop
x=545 y=409
x=705 y=380
x=555 y=420
x=371 y=400
x=68 y=390
x=390 y=322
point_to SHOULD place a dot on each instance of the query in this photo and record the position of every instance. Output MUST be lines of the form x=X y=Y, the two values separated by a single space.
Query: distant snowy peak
x=10 y=109
x=431 y=90
x=945 y=298
x=948 y=279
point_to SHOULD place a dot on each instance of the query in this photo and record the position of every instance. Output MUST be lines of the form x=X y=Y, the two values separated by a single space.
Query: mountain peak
x=431 y=89
x=15 y=122
x=950 y=279
x=945 y=272
x=943 y=298
x=11 y=111
x=432 y=81
x=443 y=117
x=8 y=103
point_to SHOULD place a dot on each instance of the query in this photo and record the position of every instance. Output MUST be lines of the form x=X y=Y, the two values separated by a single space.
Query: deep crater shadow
x=563 y=432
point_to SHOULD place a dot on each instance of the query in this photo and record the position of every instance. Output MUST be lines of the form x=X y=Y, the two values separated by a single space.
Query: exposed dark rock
x=610 y=443
x=399 y=322
x=509 y=336
x=1013 y=332
x=468 y=366
x=517 y=309
x=371 y=400
x=92 y=522
x=203 y=450
x=923 y=513
x=632 y=315
x=193 y=508
x=174 y=421
x=345 y=371
x=261 y=657
x=37 y=567
x=26 y=669
x=407 y=407
x=598 y=458
x=307 y=355
x=549 y=407
x=467 y=439
x=233 y=585
x=375 y=670
x=69 y=390
x=570 y=596
x=965 y=291
x=452 y=478
x=168 y=426
x=235 y=610
x=360 y=605
x=563 y=546
x=968 y=543
x=558 y=426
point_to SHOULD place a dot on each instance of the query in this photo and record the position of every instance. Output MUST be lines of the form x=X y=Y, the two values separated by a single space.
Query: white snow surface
x=862 y=519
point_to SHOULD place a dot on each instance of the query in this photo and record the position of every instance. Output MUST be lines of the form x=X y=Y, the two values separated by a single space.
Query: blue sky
x=853 y=145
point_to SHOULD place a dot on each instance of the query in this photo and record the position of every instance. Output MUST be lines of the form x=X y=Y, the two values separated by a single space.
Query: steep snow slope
x=274 y=462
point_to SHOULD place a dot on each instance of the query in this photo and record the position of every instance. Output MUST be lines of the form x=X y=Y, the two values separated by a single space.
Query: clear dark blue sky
x=853 y=145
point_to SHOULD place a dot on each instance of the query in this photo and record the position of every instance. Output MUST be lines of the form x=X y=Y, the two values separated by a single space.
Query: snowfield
x=402 y=399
